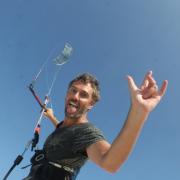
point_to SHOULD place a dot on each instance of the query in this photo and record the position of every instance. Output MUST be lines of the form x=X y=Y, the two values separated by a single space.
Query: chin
x=71 y=116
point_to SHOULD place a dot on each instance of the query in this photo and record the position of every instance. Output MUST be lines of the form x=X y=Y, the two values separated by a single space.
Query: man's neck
x=69 y=121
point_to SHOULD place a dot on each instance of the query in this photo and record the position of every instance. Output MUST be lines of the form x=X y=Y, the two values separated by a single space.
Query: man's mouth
x=72 y=107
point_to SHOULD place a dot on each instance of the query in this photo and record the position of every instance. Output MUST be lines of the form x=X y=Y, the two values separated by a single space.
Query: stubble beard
x=75 y=116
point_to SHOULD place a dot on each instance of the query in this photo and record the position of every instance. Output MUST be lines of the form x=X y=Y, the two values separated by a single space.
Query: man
x=75 y=139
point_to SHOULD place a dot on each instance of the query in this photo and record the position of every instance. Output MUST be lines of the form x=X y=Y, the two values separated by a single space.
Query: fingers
x=131 y=83
x=152 y=82
x=149 y=87
x=48 y=112
x=146 y=79
x=163 y=88
x=152 y=91
x=44 y=108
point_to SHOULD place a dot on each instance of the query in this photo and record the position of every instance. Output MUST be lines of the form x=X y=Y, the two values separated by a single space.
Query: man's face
x=78 y=100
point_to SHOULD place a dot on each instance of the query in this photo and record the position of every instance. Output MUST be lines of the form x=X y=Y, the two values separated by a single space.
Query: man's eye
x=84 y=95
x=73 y=90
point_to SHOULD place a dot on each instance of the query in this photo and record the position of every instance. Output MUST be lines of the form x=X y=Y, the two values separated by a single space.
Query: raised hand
x=147 y=96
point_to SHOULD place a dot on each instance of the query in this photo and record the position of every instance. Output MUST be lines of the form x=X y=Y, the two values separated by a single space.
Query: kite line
x=60 y=60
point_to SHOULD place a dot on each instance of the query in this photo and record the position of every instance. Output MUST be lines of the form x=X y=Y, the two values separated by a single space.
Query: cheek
x=85 y=103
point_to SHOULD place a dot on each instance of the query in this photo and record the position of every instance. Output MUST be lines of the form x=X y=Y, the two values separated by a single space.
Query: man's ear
x=90 y=107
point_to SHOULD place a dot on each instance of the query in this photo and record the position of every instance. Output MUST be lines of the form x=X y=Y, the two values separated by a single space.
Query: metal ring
x=39 y=157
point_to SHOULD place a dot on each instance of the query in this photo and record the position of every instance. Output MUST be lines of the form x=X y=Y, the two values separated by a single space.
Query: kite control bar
x=42 y=105
x=35 y=140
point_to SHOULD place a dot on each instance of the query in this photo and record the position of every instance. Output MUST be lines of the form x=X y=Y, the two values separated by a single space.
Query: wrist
x=137 y=113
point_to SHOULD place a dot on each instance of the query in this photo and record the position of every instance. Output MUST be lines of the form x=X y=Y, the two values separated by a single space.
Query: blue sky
x=111 y=38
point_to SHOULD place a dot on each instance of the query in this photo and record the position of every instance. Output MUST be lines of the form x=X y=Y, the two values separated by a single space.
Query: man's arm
x=143 y=101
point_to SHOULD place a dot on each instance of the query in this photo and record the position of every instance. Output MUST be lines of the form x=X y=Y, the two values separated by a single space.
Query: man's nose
x=76 y=96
